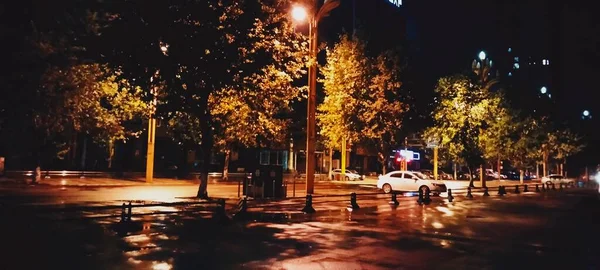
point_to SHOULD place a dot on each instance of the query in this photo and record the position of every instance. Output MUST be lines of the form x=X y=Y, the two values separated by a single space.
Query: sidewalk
x=104 y=182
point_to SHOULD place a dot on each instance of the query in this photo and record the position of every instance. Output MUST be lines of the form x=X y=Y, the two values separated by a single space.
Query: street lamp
x=313 y=15
x=482 y=55
x=586 y=115
x=164 y=48
x=543 y=90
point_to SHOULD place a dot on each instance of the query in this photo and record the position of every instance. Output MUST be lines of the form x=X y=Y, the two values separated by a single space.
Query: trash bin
x=270 y=178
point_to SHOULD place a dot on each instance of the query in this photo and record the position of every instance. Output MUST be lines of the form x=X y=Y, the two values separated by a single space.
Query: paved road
x=51 y=194
x=551 y=230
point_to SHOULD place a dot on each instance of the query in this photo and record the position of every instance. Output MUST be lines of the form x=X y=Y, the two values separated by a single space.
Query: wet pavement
x=550 y=230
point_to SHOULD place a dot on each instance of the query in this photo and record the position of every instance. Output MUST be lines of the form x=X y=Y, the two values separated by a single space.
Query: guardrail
x=308 y=206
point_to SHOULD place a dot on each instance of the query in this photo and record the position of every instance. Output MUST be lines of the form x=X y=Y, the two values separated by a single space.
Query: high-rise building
x=523 y=53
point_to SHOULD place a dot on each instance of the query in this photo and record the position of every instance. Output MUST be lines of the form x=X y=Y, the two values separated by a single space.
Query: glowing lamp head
x=586 y=113
x=482 y=55
x=299 y=14
x=543 y=90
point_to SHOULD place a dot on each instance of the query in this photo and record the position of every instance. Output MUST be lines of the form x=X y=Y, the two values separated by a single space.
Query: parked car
x=409 y=181
x=351 y=175
x=441 y=175
x=557 y=179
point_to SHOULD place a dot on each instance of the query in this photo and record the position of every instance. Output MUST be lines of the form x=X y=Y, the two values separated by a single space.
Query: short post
x=353 y=204
x=394 y=200
x=469 y=195
x=486 y=192
x=129 y=212
x=537 y=188
x=308 y=208
x=242 y=208
x=560 y=186
x=427 y=199
x=294 y=188
x=553 y=187
x=239 y=187
x=450 y=197
x=525 y=188
x=517 y=191
x=500 y=190
x=220 y=214
x=420 y=199
x=123 y=213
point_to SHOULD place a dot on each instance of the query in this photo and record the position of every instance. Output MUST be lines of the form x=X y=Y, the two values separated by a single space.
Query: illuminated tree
x=206 y=54
x=461 y=110
x=362 y=97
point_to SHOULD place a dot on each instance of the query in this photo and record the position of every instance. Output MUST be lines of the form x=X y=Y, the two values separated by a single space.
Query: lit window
x=264 y=158
x=516 y=66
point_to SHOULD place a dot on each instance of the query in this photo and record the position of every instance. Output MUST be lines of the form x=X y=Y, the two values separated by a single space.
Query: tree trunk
x=73 y=154
x=207 y=144
x=84 y=153
x=522 y=174
x=111 y=153
x=226 y=165
x=455 y=171
x=330 y=162
x=544 y=168
x=471 y=179
x=499 y=165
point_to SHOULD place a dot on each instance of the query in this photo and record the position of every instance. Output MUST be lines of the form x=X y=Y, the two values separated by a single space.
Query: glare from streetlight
x=299 y=13
x=543 y=90
x=586 y=113
x=482 y=55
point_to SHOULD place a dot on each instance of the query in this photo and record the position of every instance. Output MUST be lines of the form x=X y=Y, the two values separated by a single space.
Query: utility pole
x=343 y=177
x=435 y=163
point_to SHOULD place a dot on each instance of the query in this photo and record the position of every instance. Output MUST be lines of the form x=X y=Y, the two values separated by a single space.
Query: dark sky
x=449 y=34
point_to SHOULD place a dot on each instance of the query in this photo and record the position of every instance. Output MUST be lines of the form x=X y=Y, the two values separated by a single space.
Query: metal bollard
x=525 y=188
x=450 y=197
x=308 y=208
x=353 y=205
x=394 y=200
x=123 y=213
x=220 y=214
x=517 y=191
x=543 y=188
x=553 y=187
x=560 y=186
x=242 y=209
x=420 y=199
x=129 y=212
x=537 y=188
x=500 y=190
x=469 y=195
x=427 y=198
x=486 y=192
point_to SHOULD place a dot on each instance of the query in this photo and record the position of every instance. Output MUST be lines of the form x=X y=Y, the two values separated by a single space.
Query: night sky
x=445 y=36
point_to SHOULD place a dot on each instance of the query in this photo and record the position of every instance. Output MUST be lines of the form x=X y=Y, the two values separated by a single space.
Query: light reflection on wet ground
x=493 y=233
x=375 y=236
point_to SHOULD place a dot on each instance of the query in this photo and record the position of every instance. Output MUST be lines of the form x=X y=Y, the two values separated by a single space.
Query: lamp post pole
x=311 y=107
x=313 y=14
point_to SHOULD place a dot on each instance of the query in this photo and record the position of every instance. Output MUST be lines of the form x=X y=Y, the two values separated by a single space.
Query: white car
x=557 y=179
x=351 y=175
x=409 y=181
